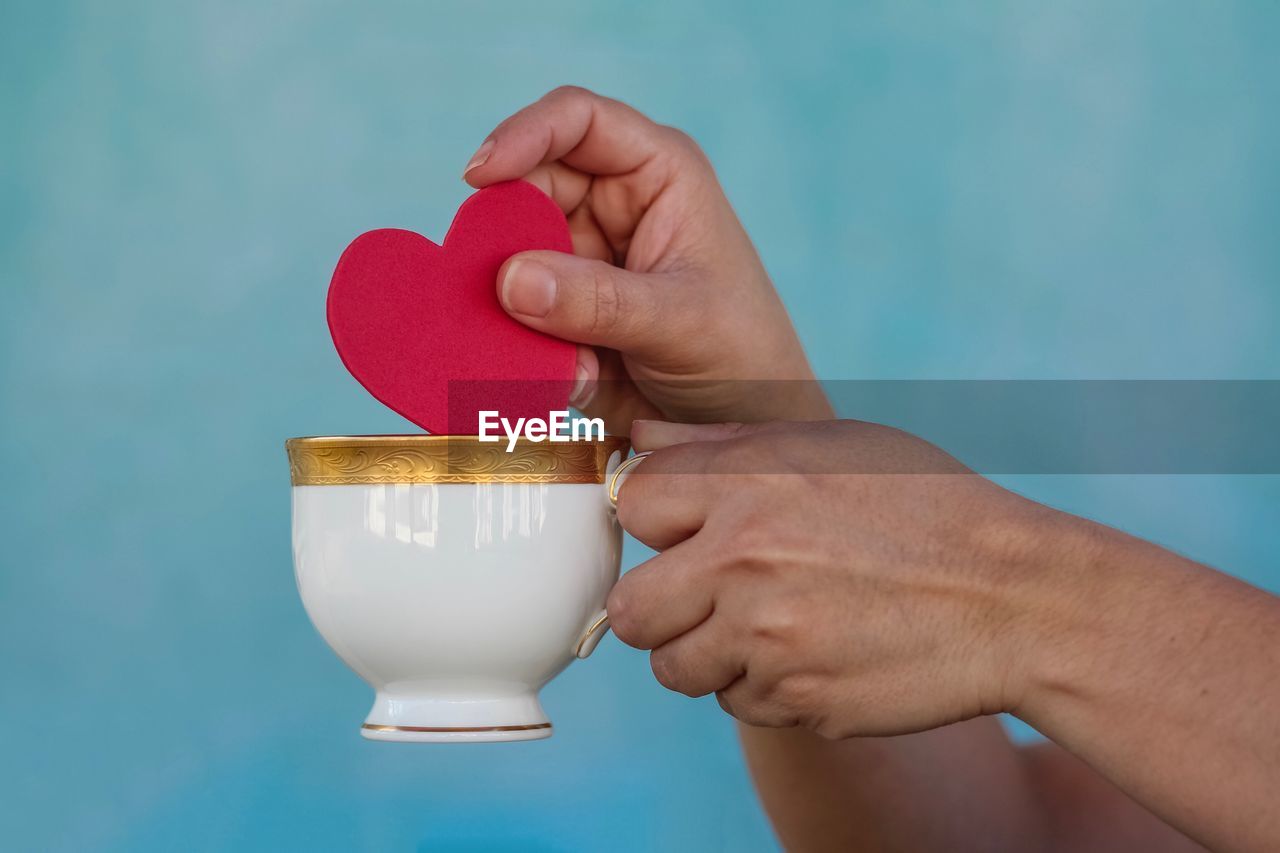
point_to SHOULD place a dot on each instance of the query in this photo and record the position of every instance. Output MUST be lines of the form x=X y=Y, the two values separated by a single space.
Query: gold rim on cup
x=341 y=460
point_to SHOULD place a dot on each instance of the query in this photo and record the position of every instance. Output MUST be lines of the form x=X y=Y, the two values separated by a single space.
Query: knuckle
x=798 y=693
x=751 y=554
x=748 y=713
x=804 y=699
x=779 y=622
x=741 y=568
x=622 y=617
x=747 y=571
x=758 y=703
x=666 y=670
x=745 y=455
x=629 y=510
x=570 y=92
x=826 y=728
x=763 y=713
x=832 y=721
x=753 y=540
x=683 y=142
x=607 y=303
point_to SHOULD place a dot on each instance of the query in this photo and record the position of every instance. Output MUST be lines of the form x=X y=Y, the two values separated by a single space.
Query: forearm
x=960 y=787
x=1155 y=671
x=1161 y=674
x=963 y=786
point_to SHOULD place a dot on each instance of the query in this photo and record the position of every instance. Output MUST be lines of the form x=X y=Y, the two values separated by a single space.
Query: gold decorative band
x=470 y=730
x=377 y=459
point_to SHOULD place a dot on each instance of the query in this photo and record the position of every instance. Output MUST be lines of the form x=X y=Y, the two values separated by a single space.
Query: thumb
x=586 y=301
x=655 y=435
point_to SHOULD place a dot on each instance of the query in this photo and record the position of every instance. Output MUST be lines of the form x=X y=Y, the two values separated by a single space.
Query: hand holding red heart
x=665 y=289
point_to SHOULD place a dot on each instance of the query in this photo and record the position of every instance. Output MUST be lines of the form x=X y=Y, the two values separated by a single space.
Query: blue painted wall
x=1006 y=190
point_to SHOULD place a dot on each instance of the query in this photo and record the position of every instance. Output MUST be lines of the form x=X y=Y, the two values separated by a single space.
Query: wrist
x=1051 y=565
x=1073 y=589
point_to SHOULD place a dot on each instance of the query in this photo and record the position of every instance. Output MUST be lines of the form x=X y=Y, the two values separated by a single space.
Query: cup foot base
x=468 y=734
x=455 y=716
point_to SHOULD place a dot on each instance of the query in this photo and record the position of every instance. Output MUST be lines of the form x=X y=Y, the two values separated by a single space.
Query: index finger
x=666 y=498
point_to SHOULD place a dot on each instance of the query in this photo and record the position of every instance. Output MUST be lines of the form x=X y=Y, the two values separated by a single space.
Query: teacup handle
x=593 y=635
x=618 y=477
x=598 y=626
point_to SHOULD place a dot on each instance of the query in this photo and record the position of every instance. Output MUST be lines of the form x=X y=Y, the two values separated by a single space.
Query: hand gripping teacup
x=453 y=576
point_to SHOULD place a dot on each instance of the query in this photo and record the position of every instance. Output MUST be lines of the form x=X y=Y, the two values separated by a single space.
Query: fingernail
x=580 y=395
x=529 y=289
x=477 y=159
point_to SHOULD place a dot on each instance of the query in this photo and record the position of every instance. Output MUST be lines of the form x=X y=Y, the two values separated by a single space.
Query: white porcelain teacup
x=455 y=577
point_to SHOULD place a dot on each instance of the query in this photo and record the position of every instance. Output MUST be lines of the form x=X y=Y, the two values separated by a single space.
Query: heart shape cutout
x=420 y=325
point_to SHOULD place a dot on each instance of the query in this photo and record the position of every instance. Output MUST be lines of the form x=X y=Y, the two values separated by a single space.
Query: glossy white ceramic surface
x=456 y=602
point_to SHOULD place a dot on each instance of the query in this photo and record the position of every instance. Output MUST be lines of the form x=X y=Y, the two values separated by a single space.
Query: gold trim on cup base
x=454 y=730
x=344 y=460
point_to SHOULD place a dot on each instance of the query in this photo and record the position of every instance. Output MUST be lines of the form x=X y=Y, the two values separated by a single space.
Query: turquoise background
x=992 y=190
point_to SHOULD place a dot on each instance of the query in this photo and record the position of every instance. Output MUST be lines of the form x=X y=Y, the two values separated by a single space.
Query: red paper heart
x=420 y=326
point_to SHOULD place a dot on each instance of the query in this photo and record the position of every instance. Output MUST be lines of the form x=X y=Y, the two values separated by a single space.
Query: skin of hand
x=856 y=581
x=671 y=305
x=665 y=294
x=837 y=575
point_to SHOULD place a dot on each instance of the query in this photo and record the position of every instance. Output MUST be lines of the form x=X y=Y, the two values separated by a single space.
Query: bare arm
x=1162 y=675
x=957 y=787
x=855 y=581
x=673 y=308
